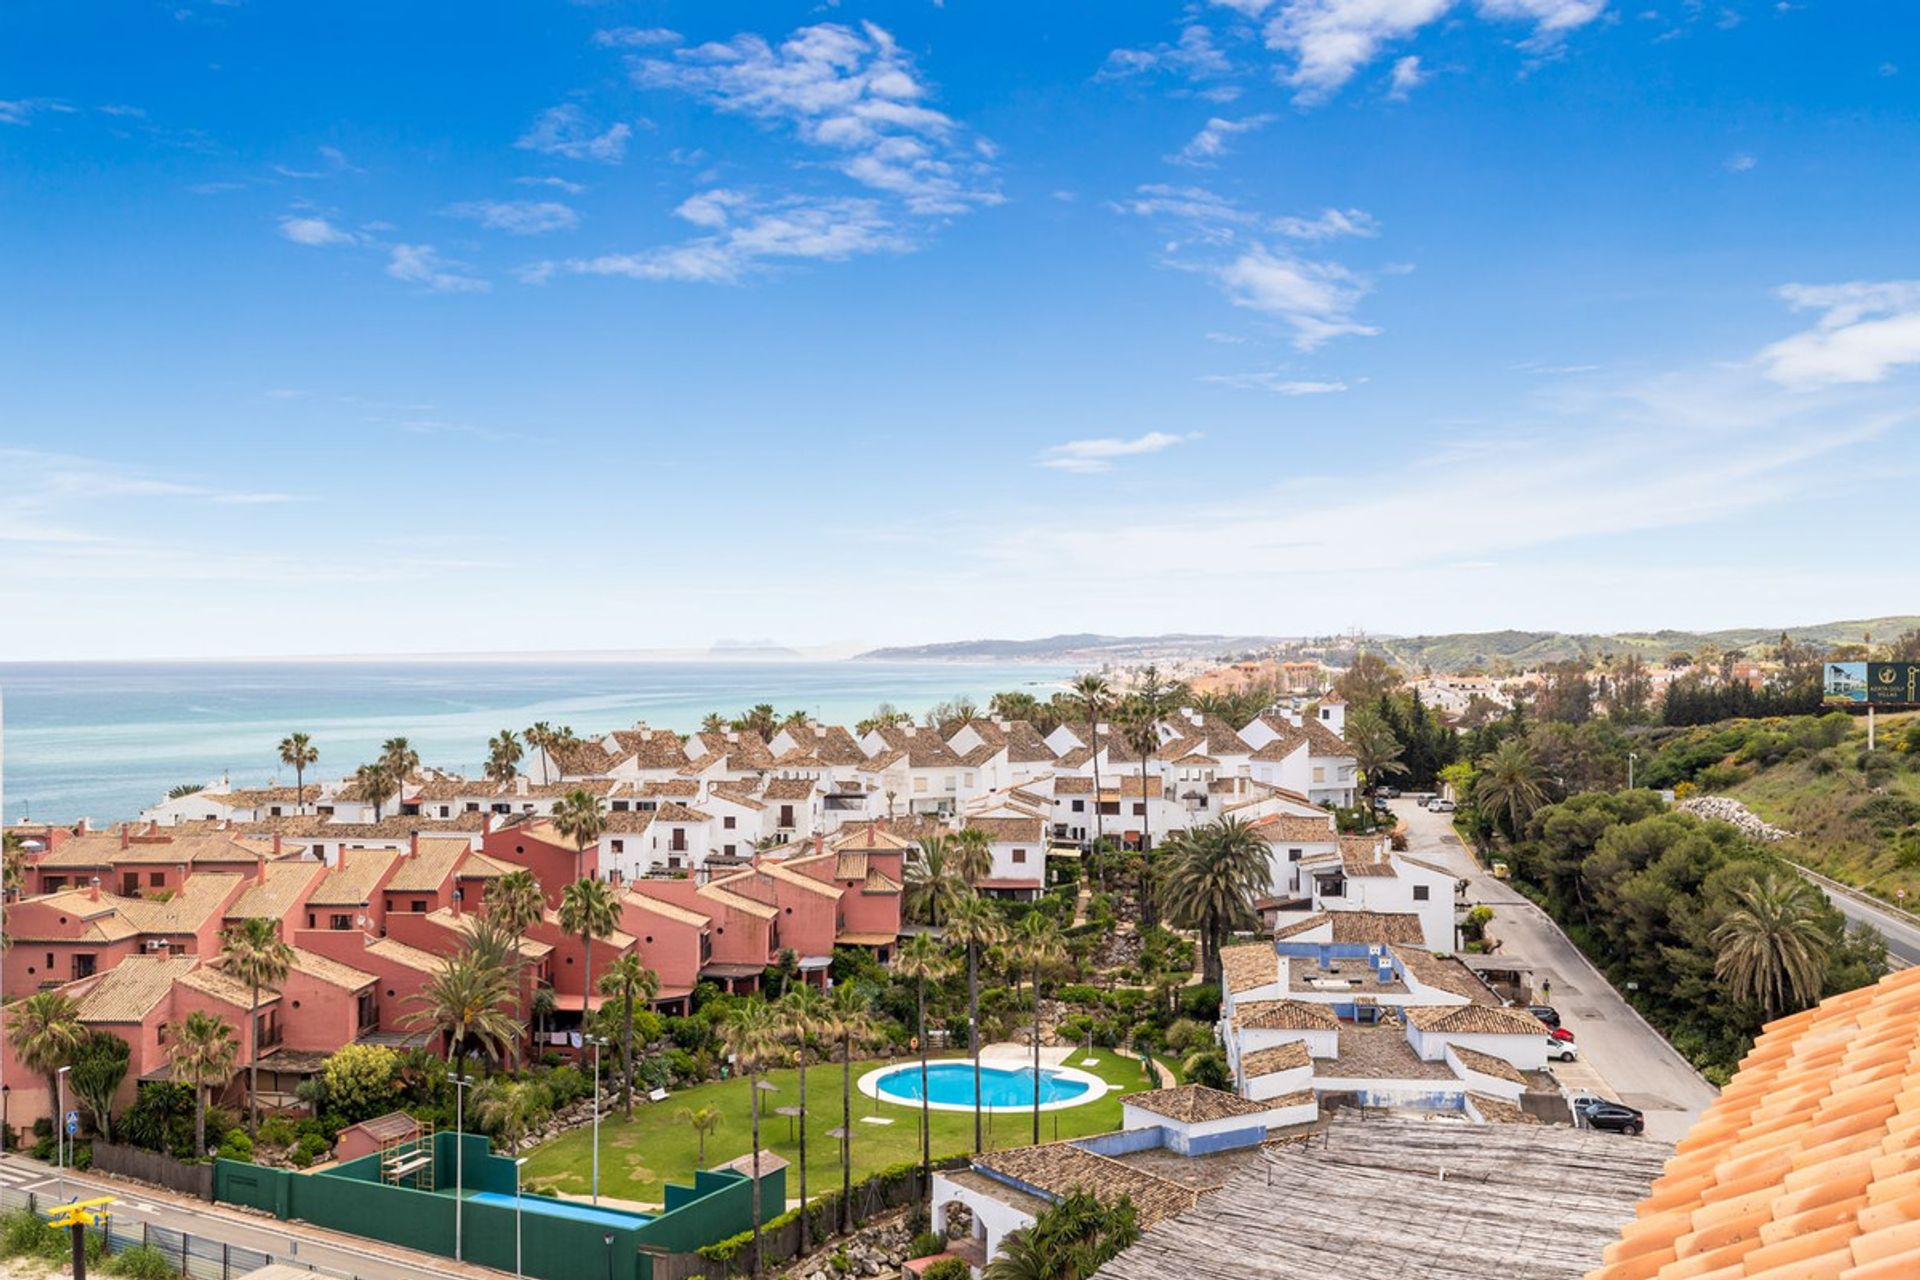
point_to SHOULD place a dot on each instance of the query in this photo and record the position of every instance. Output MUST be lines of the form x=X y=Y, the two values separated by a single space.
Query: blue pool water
x=562 y=1209
x=951 y=1083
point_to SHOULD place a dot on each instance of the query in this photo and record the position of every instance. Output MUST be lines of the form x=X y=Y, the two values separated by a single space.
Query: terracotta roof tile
x=127 y=991
x=1254 y=965
x=1195 y=1103
x=1284 y=1015
x=1473 y=1019
x=1290 y=1056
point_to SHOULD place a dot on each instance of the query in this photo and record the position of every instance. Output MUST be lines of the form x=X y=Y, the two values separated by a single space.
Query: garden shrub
x=277 y=1131
x=312 y=1147
x=142 y=1262
x=926 y=1244
x=948 y=1269
x=237 y=1146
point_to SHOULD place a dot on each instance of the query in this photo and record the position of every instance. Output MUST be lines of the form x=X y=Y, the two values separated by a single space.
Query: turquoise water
x=951 y=1083
x=562 y=1209
x=104 y=740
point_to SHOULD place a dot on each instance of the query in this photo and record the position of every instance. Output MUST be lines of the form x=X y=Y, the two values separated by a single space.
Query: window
x=1293 y=855
x=369 y=1010
x=1019 y=855
x=337 y=921
x=1079 y=806
x=727 y=822
x=619 y=846
x=727 y=850
x=1319 y=773
x=84 y=965
x=786 y=815
x=678 y=842
x=919 y=784
x=418 y=904
x=1420 y=893
x=1139 y=809
x=156 y=879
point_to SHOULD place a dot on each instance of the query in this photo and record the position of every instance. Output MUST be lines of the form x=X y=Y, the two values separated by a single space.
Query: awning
x=574 y=1002
x=732 y=970
x=810 y=963
x=396 y=1039
x=853 y=939
x=1007 y=884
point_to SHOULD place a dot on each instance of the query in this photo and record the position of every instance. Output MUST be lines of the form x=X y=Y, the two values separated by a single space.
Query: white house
x=1018 y=842
x=1363 y=875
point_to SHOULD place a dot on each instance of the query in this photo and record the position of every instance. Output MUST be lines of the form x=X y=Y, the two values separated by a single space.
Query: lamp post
x=60 y=1118
x=1631 y=757
x=596 y=1042
x=516 y=1213
x=460 y=1084
x=608 y=1239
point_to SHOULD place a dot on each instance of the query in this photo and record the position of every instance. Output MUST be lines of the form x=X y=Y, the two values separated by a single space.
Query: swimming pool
x=562 y=1209
x=949 y=1086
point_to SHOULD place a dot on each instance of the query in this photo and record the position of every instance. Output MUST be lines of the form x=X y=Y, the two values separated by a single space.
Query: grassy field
x=637 y=1157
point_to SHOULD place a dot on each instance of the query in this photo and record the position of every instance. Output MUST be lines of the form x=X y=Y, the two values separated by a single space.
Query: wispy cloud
x=1866 y=330
x=316 y=231
x=1204 y=149
x=566 y=131
x=1091 y=456
x=855 y=94
x=333 y=162
x=21 y=110
x=635 y=37
x=1739 y=162
x=1316 y=298
x=1407 y=76
x=745 y=235
x=1278 y=383
x=57 y=479
x=558 y=184
x=518 y=217
x=1193 y=58
x=421 y=264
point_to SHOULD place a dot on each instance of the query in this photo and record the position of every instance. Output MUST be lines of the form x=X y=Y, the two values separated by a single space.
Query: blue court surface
x=562 y=1209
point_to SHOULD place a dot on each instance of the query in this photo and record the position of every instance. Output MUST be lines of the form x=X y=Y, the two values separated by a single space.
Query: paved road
x=1622 y=1057
x=1901 y=930
x=285 y=1241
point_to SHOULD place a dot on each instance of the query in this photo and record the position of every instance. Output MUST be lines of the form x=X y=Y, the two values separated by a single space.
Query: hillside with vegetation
x=1525 y=650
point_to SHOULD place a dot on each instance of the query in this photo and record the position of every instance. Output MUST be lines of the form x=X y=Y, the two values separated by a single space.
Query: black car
x=1615 y=1117
x=1547 y=1014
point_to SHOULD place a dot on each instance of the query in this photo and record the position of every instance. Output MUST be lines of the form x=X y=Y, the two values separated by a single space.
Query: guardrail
x=194 y=1256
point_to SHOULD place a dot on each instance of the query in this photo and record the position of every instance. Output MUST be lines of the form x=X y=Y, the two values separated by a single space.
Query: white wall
x=992 y=1218
x=1527 y=1052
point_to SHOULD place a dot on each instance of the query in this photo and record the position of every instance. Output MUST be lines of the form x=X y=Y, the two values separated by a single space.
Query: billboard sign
x=1879 y=683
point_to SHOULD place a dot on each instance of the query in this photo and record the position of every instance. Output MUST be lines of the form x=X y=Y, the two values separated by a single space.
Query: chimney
x=263 y=871
x=82 y=827
x=126 y=836
x=457 y=895
x=153 y=826
x=276 y=844
x=819 y=843
x=413 y=844
x=486 y=823
x=93 y=888
x=520 y=784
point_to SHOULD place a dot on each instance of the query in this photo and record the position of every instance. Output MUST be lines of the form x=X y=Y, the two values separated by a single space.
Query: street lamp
x=1631 y=757
x=460 y=1084
x=596 y=1042
x=608 y=1239
x=516 y=1213
x=60 y=1118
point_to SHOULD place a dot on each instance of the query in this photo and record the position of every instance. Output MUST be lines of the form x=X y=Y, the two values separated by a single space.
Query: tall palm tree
x=516 y=903
x=975 y=924
x=1209 y=881
x=1512 y=785
x=631 y=983
x=850 y=1021
x=1140 y=718
x=252 y=952
x=713 y=722
x=399 y=756
x=1037 y=944
x=921 y=960
x=803 y=1014
x=376 y=783
x=44 y=1030
x=971 y=855
x=1376 y=749
x=751 y=1034
x=1774 y=945
x=468 y=1000
x=504 y=753
x=203 y=1053
x=587 y=908
x=578 y=816
x=932 y=886
x=298 y=753
x=540 y=737
x=1094 y=697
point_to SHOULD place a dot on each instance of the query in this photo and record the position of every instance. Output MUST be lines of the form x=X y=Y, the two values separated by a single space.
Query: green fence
x=352 y=1198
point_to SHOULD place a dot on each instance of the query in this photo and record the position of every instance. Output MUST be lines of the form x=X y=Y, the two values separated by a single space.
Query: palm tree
x=1210 y=880
x=1037 y=944
x=1094 y=697
x=503 y=757
x=376 y=783
x=1140 y=718
x=931 y=884
x=587 y=908
x=45 y=1029
x=1773 y=946
x=466 y=1002
x=297 y=752
x=1376 y=750
x=252 y=952
x=975 y=924
x=803 y=1014
x=511 y=1108
x=540 y=737
x=971 y=855
x=751 y=1035
x=400 y=757
x=921 y=960
x=704 y=1121
x=629 y=982
x=578 y=816
x=1512 y=785
x=203 y=1053
x=516 y=903
x=850 y=1021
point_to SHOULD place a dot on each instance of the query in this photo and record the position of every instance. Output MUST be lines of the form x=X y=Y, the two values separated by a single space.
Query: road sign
x=73 y=1123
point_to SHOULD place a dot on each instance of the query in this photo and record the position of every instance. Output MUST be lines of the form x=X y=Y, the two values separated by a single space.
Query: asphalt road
x=1901 y=930
x=284 y=1241
x=1621 y=1056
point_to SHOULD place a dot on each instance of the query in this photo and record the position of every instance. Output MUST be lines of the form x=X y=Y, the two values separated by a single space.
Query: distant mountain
x=1081 y=647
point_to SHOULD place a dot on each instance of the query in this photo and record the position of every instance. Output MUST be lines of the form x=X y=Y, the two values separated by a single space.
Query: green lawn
x=638 y=1157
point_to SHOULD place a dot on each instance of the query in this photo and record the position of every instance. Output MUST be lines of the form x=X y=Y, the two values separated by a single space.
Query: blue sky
x=391 y=328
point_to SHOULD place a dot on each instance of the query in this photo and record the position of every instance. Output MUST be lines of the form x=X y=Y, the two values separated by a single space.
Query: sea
x=105 y=740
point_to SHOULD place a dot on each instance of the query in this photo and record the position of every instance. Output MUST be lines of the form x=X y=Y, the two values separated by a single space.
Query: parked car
x=1559 y=1033
x=1387 y=793
x=1615 y=1117
x=1561 y=1048
x=1440 y=804
x=1380 y=804
x=1546 y=1013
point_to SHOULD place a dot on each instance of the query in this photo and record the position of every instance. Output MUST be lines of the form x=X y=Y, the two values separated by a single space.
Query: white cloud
x=1315 y=298
x=635 y=37
x=1739 y=162
x=566 y=131
x=20 y=110
x=1277 y=383
x=421 y=264
x=559 y=184
x=1194 y=56
x=1866 y=330
x=745 y=236
x=1090 y=456
x=1407 y=76
x=853 y=93
x=518 y=217
x=1206 y=147
x=315 y=231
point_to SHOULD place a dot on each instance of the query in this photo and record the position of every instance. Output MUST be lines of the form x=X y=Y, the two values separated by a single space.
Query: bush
x=277 y=1131
x=926 y=1244
x=312 y=1147
x=238 y=1146
x=142 y=1262
x=948 y=1269
x=1201 y=1003
x=1185 y=1035
x=359 y=1080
